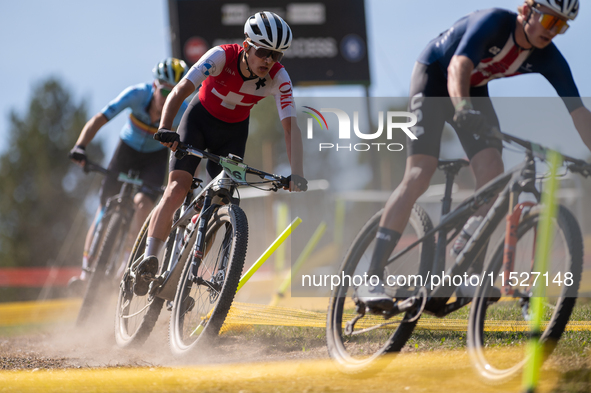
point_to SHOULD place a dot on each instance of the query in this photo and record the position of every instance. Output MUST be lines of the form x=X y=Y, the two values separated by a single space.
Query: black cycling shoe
x=145 y=273
x=187 y=305
x=374 y=297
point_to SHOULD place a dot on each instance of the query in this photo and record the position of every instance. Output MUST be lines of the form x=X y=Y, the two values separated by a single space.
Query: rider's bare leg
x=417 y=176
x=179 y=183
x=486 y=165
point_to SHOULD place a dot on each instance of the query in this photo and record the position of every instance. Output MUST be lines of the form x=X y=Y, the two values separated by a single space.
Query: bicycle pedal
x=145 y=273
x=187 y=305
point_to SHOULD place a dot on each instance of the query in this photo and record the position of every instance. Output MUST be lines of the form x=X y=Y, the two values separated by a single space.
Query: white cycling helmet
x=170 y=70
x=268 y=30
x=567 y=8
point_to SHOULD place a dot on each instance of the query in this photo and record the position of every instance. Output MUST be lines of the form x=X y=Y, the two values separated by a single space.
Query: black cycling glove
x=78 y=153
x=471 y=120
x=167 y=136
x=299 y=181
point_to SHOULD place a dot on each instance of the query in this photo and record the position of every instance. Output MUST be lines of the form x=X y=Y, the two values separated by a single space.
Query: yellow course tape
x=65 y=310
x=439 y=371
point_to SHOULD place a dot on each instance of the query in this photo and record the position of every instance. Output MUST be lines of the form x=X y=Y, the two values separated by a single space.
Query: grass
x=571 y=355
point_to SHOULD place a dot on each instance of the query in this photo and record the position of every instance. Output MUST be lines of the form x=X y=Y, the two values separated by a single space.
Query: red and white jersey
x=227 y=96
x=505 y=62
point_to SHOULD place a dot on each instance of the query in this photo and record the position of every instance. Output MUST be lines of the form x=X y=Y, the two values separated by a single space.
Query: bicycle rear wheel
x=494 y=325
x=355 y=352
x=201 y=304
x=136 y=315
x=97 y=291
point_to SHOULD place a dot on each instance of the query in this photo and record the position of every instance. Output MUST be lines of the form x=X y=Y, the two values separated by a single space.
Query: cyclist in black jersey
x=457 y=65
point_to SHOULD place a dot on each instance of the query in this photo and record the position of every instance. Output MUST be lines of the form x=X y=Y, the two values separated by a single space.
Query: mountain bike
x=202 y=263
x=106 y=248
x=355 y=338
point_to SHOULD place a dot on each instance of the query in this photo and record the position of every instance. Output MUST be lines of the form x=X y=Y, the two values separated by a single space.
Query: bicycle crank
x=414 y=304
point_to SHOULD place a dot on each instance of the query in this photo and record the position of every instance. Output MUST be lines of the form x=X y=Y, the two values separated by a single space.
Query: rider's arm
x=458 y=80
x=91 y=128
x=293 y=144
x=210 y=64
x=283 y=93
x=482 y=30
x=124 y=100
x=582 y=119
x=174 y=101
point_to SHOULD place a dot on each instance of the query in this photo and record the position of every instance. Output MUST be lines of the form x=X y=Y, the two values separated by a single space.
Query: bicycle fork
x=206 y=212
x=512 y=223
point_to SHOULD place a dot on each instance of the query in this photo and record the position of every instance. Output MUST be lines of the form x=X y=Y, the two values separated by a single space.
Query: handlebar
x=122 y=177
x=183 y=150
x=92 y=167
x=574 y=164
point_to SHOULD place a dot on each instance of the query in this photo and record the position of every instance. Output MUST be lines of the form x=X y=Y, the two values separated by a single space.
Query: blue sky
x=98 y=48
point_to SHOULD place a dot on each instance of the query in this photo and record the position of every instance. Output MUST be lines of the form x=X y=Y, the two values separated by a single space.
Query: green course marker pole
x=531 y=373
x=318 y=233
x=269 y=252
x=256 y=266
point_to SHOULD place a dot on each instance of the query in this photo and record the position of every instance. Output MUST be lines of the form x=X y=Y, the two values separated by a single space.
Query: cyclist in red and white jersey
x=453 y=69
x=233 y=79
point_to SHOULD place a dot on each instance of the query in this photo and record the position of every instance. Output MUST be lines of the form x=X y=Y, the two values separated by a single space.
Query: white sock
x=85 y=265
x=154 y=247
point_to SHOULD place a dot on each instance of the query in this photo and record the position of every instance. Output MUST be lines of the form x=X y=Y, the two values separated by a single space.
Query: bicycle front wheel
x=136 y=315
x=499 y=331
x=202 y=302
x=356 y=351
x=98 y=292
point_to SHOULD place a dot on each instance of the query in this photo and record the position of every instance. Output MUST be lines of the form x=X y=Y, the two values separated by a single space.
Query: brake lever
x=180 y=153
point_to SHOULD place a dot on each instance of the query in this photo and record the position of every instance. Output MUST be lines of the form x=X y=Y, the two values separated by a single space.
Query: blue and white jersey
x=487 y=38
x=139 y=130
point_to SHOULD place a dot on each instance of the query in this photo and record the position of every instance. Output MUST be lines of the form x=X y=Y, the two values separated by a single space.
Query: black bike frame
x=219 y=191
x=507 y=186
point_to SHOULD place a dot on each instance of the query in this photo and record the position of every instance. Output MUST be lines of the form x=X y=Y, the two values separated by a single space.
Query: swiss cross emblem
x=231 y=99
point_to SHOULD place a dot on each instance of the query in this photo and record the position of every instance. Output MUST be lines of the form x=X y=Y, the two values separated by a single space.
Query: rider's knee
x=487 y=164
x=143 y=202
x=175 y=192
x=417 y=178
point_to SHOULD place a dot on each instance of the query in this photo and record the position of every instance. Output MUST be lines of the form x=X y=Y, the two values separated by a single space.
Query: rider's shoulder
x=493 y=14
x=134 y=92
x=231 y=50
x=277 y=70
x=138 y=89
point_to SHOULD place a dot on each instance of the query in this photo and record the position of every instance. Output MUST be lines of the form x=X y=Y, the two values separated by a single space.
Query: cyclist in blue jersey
x=456 y=67
x=137 y=148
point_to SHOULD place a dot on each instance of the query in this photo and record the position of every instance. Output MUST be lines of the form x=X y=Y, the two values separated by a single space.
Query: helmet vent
x=267 y=26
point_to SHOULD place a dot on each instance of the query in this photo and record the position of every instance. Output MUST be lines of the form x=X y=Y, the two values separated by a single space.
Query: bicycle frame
x=507 y=186
x=203 y=203
x=218 y=192
x=122 y=202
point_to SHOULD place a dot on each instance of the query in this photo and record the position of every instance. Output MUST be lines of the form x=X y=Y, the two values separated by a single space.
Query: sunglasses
x=263 y=53
x=550 y=22
x=163 y=89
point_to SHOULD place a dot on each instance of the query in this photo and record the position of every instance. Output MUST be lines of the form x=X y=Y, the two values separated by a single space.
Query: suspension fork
x=206 y=212
x=512 y=223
